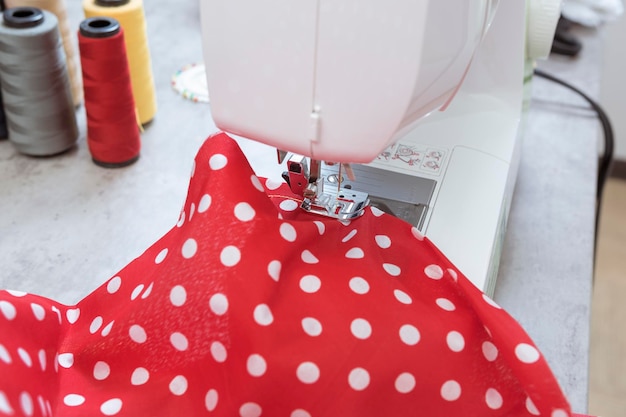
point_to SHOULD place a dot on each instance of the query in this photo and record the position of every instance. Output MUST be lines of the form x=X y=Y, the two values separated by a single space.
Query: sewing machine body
x=452 y=174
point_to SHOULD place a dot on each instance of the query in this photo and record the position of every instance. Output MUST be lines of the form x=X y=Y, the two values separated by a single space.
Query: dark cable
x=606 y=160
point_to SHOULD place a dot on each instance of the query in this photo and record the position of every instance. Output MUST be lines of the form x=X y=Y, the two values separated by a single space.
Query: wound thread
x=112 y=130
x=3 y=120
x=59 y=9
x=130 y=15
x=34 y=83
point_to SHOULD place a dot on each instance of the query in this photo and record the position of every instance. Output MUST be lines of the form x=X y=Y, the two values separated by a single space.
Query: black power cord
x=606 y=159
x=564 y=42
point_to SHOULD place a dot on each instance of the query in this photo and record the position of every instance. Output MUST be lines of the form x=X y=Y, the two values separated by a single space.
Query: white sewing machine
x=351 y=81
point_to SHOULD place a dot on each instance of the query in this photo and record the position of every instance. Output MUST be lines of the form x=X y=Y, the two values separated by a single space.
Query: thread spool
x=112 y=130
x=59 y=9
x=130 y=15
x=35 y=85
x=3 y=120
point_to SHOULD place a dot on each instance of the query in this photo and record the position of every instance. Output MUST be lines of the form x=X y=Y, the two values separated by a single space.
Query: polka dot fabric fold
x=250 y=307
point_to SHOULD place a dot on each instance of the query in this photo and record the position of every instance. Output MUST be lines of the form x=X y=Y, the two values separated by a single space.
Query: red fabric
x=249 y=307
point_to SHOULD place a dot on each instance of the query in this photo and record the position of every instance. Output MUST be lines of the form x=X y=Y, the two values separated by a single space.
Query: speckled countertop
x=67 y=225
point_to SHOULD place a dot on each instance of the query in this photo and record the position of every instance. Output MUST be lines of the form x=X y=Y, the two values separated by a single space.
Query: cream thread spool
x=59 y=8
x=130 y=14
x=35 y=87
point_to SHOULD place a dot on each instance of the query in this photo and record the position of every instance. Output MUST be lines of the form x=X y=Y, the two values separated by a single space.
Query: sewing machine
x=352 y=81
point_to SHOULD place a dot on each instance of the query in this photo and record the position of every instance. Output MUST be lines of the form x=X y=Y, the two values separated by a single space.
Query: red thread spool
x=112 y=127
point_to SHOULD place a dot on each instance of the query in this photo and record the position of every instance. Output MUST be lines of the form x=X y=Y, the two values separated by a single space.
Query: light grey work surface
x=67 y=225
x=545 y=277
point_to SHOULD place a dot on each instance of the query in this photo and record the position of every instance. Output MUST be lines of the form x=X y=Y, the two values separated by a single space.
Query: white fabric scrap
x=592 y=13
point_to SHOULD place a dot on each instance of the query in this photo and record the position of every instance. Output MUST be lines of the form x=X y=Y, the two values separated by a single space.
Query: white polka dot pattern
x=311 y=326
x=114 y=285
x=72 y=315
x=5 y=407
x=161 y=256
x=189 y=248
x=96 y=324
x=359 y=285
x=434 y=272
x=205 y=203
x=393 y=270
x=230 y=256
x=244 y=212
x=289 y=205
x=263 y=315
x=66 y=360
x=178 y=296
x=219 y=304
x=308 y=373
x=359 y=379
x=111 y=407
x=494 y=399
x=310 y=284
x=355 y=253
x=451 y=391
x=250 y=410
x=179 y=341
x=178 y=385
x=211 y=399
x=490 y=351
x=26 y=403
x=384 y=242
x=4 y=355
x=405 y=383
x=361 y=329
x=288 y=232
x=218 y=351
x=256 y=365
x=38 y=311
x=403 y=297
x=526 y=353
x=8 y=310
x=137 y=334
x=409 y=335
x=456 y=341
x=308 y=257
x=73 y=400
x=25 y=357
x=218 y=161
x=273 y=269
x=101 y=371
x=251 y=307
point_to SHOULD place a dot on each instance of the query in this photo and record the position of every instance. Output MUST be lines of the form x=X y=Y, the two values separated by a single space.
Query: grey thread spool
x=35 y=84
x=3 y=120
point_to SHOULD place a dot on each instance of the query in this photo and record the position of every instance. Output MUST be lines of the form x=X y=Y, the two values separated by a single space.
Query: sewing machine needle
x=339 y=179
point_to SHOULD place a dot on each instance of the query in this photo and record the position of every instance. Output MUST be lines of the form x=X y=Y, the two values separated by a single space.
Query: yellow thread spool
x=59 y=8
x=129 y=13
